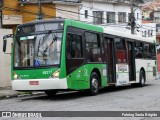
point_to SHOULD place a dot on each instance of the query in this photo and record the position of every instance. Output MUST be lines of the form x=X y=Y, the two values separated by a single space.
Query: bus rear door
x=110 y=59
x=131 y=60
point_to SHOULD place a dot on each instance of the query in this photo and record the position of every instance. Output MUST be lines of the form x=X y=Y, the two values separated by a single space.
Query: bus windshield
x=36 y=49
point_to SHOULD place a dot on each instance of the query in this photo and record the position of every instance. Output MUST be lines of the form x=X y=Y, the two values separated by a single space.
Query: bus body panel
x=148 y=66
x=40 y=84
x=34 y=73
x=122 y=74
x=80 y=78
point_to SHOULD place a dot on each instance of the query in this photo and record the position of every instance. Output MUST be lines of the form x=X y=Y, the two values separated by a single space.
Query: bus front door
x=110 y=60
x=131 y=61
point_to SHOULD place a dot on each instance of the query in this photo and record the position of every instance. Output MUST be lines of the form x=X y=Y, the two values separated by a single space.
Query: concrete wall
x=14 y=13
x=65 y=14
x=5 y=60
x=28 y=11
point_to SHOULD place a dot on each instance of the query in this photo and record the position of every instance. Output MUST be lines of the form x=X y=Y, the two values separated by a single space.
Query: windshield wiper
x=45 y=38
x=42 y=41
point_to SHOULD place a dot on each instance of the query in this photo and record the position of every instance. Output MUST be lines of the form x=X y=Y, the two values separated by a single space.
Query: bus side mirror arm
x=5 y=42
x=4 y=45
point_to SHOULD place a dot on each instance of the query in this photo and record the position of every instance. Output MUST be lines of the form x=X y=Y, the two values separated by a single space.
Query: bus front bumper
x=39 y=84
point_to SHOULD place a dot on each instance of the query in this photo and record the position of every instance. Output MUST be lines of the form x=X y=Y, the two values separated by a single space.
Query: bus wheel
x=94 y=84
x=142 y=79
x=51 y=93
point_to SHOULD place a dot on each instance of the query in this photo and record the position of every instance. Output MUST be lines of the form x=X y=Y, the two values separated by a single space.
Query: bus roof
x=113 y=32
x=127 y=35
x=92 y=27
x=84 y=25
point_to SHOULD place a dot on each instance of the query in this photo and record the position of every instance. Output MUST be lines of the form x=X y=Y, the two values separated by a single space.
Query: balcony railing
x=111 y=1
x=35 y=1
x=47 y=1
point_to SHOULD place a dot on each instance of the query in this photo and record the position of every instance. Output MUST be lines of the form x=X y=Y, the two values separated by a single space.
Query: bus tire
x=51 y=93
x=142 y=79
x=94 y=84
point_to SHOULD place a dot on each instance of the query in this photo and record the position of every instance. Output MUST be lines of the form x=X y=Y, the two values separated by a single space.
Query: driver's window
x=74 y=46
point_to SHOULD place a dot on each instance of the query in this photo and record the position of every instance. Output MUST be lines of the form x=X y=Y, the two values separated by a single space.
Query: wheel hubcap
x=94 y=84
x=142 y=80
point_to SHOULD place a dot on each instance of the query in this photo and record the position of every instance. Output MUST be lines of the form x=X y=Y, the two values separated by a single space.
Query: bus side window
x=92 y=47
x=152 y=51
x=121 y=55
x=138 y=50
x=68 y=46
x=74 y=46
x=146 y=50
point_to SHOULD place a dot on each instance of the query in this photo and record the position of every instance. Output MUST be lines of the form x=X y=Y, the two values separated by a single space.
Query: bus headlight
x=55 y=74
x=16 y=76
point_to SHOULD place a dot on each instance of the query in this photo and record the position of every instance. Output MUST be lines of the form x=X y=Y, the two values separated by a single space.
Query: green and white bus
x=63 y=54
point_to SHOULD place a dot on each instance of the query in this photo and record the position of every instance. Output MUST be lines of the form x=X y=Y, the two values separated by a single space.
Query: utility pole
x=39 y=14
x=132 y=17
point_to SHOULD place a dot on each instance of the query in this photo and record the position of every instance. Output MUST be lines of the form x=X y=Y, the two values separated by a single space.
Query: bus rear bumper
x=39 y=84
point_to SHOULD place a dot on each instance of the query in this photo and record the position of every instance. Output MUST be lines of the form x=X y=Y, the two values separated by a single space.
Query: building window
x=144 y=33
x=86 y=13
x=98 y=17
x=129 y=17
x=110 y=17
x=0 y=3
x=121 y=17
x=137 y=15
x=149 y=33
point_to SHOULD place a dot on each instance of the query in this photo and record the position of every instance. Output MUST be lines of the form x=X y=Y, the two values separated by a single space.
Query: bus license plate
x=33 y=82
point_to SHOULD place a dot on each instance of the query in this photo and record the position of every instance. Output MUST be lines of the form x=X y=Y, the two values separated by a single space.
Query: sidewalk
x=7 y=92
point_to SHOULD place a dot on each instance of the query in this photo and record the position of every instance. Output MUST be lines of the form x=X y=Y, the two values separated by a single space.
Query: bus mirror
x=4 y=45
x=5 y=42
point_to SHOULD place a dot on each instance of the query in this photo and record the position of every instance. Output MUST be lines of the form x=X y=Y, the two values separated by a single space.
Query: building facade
x=67 y=9
x=16 y=12
x=113 y=14
x=151 y=11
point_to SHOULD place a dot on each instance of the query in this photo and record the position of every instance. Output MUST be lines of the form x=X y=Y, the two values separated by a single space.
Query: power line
x=87 y=7
x=49 y=16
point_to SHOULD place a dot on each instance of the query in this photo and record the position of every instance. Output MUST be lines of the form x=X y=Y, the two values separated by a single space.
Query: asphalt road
x=128 y=98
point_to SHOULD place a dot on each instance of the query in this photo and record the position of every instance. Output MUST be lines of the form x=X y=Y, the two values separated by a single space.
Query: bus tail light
x=55 y=74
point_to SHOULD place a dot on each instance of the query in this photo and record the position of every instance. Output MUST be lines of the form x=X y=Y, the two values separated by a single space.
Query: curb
x=31 y=94
x=20 y=95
